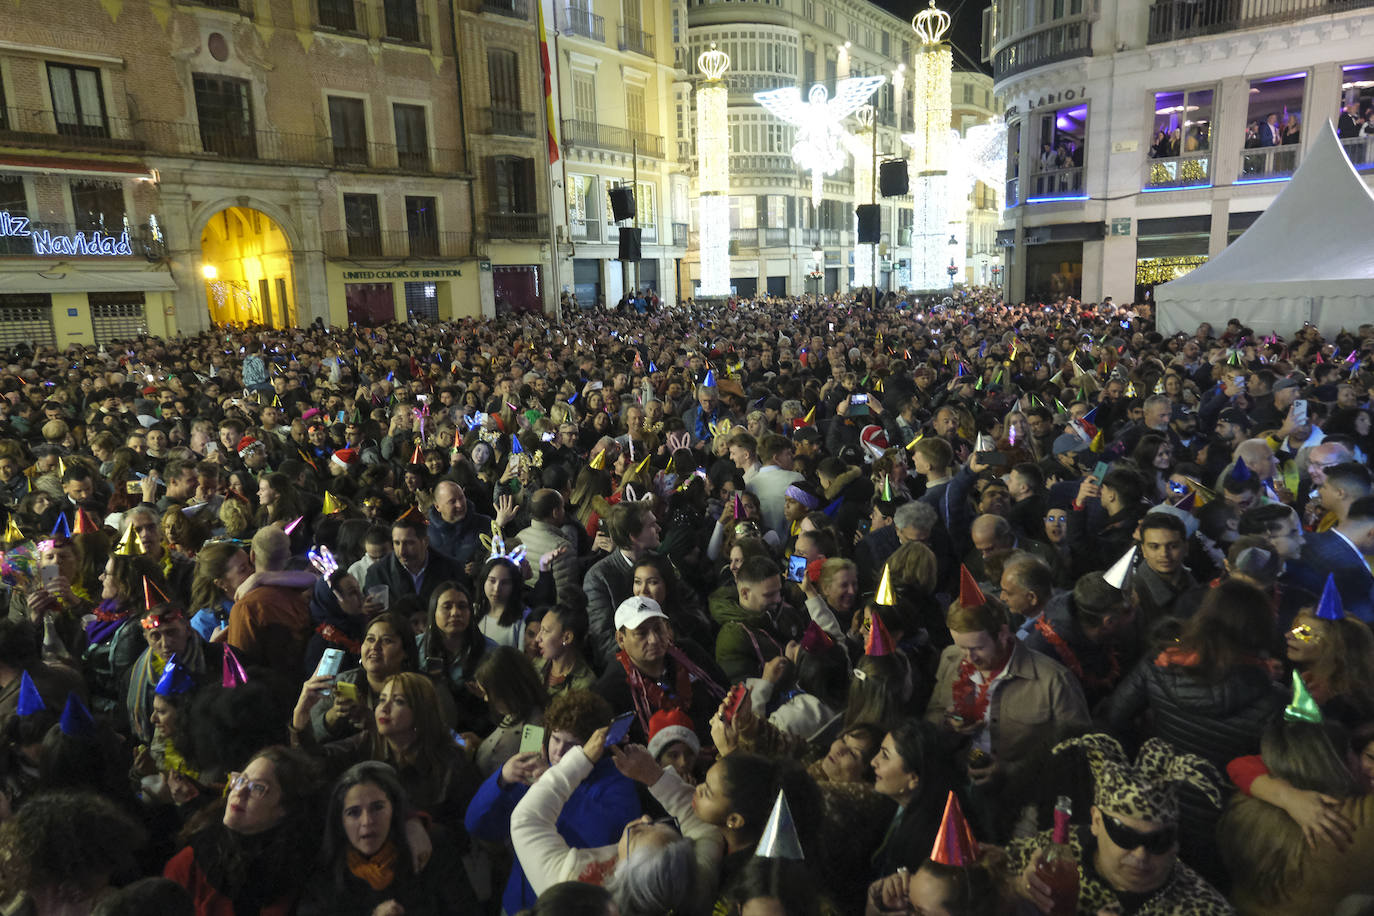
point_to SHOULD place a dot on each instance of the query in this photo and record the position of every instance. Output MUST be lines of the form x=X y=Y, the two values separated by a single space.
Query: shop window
x=117 y=316
x=1273 y=128
x=1181 y=139
x=26 y=318
x=422 y=301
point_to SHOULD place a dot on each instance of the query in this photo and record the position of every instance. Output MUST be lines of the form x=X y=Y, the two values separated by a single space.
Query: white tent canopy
x=1307 y=258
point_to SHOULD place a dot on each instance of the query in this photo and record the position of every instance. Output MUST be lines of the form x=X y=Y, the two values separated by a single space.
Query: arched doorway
x=246 y=263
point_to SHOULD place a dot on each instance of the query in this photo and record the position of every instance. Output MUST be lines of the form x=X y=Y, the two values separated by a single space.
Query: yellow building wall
x=71 y=329
x=245 y=246
x=455 y=286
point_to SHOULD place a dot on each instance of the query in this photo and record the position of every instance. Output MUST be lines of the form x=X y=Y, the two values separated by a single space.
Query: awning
x=57 y=278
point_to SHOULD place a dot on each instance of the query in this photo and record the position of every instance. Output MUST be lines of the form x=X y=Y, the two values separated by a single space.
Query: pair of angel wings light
x=820 y=147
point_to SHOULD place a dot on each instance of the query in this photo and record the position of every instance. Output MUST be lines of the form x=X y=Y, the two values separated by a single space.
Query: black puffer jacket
x=1216 y=720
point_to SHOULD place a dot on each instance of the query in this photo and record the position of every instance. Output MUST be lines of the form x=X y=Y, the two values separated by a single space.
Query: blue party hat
x=76 y=718
x=515 y=447
x=175 y=680
x=1241 y=471
x=60 y=528
x=710 y=380
x=652 y=367
x=30 y=700
x=1329 y=607
x=834 y=507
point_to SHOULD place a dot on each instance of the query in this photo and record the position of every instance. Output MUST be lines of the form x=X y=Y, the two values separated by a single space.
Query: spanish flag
x=548 y=85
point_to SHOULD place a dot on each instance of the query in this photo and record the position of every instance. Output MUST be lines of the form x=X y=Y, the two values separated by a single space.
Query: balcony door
x=224 y=108
x=77 y=102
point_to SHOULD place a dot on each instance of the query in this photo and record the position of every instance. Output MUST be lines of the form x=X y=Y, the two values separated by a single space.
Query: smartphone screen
x=1100 y=472
x=1300 y=412
x=531 y=739
x=620 y=728
x=330 y=663
x=796 y=568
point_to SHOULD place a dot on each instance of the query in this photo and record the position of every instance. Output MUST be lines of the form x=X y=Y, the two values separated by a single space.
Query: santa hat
x=247 y=444
x=344 y=457
x=669 y=725
x=874 y=440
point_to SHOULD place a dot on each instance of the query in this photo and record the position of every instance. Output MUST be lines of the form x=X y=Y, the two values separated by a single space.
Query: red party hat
x=879 y=640
x=970 y=595
x=954 y=844
x=152 y=595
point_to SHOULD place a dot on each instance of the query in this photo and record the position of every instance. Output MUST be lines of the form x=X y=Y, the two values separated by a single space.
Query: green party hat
x=1302 y=708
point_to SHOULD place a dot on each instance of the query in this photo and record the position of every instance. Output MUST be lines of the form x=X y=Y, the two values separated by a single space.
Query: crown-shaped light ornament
x=864 y=116
x=713 y=63
x=931 y=24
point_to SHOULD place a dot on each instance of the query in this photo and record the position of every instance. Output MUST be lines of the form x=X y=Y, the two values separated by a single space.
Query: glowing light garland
x=861 y=145
x=821 y=141
x=932 y=67
x=713 y=174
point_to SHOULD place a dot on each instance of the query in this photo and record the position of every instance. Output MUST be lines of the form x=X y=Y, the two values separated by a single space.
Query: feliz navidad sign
x=45 y=242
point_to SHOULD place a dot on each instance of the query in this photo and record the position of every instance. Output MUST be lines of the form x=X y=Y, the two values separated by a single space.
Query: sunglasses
x=1155 y=843
x=1304 y=633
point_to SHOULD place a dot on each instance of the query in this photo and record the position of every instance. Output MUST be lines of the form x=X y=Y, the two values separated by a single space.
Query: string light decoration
x=713 y=173
x=861 y=147
x=821 y=141
x=930 y=144
x=1150 y=271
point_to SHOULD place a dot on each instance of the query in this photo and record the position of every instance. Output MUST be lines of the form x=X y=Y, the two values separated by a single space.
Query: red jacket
x=182 y=869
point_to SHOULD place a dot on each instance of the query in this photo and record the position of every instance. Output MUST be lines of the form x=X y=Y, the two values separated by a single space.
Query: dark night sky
x=965 y=32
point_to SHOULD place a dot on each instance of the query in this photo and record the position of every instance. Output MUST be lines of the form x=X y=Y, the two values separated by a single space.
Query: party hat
x=834 y=507
x=652 y=367
x=76 y=718
x=954 y=844
x=417 y=456
x=60 y=528
x=779 y=839
x=640 y=468
x=1120 y=571
x=84 y=523
x=515 y=447
x=292 y=525
x=887 y=489
x=815 y=640
x=810 y=417
x=152 y=595
x=30 y=700
x=129 y=545
x=879 y=640
x=1302 y=708
x=710 y=380
x=970 y=595
x=233 y=673
x=12 y=533
x=886 y=596
x=332 y=504
x=1187 y=502
x=1329 y=606
x=598 y=462
x=1241 y=471
x=175 y=679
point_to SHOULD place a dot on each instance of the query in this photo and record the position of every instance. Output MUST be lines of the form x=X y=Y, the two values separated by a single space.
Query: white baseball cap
x=633 y=612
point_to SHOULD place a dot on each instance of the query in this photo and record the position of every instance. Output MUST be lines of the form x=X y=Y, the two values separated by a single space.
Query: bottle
x=1058 y=868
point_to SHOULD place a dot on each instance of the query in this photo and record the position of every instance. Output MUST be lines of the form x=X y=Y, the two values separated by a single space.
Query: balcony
x=1193 y=170
x=768 y=164
x=1171 y=20
x=397 y=243
x=744 y=238
x=507 y=122
x=66 y=240
x=1057 y=184
x=600 y=136
x=679 y=235
x=636 y=40
x=1063 y=40
x=775 y=238
x=580 y=21
x=1269 y=163
x=402 y=24
x=242 y=7
x=1360 y=150
x=517 y=225
x=1013 y=192
x=345 y=17
x=511 y=9
x=181 y=138
x=39 y=127
x=832 y=236
x=586 y=230
x=810 y=238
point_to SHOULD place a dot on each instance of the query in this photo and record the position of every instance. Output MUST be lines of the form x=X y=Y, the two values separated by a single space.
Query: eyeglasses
x=1156 y=843
x=1304 y=632
x=256 y=788
x=1056 y=520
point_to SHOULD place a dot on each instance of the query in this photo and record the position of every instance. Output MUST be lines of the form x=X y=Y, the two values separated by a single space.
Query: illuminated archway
x=246 y=265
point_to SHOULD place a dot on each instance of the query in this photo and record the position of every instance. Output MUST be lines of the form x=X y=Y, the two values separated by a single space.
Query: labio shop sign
x=46 y=242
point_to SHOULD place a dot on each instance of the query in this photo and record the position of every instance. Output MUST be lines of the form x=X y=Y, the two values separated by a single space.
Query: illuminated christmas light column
x=861 y=145
x=930 y=192
x=713 y=174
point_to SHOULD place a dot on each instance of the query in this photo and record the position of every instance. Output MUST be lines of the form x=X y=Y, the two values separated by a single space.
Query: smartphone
x=458 y=739
x=47 y=575
x=330 y=663
x=620 y=728
x=133 y=486
x=1099 y=472
x=738 y=694
x=347 y=690
x=1300 y=412
x=993 y=459
x=1240 y=381
x=211 y=448
x=858 y=405
x=531 y=739
x=796 y=568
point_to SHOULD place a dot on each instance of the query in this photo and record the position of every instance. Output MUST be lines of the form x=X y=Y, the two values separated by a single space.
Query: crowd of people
x=788 y=606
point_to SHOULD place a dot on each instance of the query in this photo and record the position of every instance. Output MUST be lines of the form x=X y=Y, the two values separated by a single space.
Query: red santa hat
x=669 y=725
x=874 y=440
x=344 y=457
x=247 y=444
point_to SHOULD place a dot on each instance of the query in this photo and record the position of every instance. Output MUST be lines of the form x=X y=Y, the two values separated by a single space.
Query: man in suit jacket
x=413 y=568
x=1269 y=132
x=634 y=531
x=1344 y=552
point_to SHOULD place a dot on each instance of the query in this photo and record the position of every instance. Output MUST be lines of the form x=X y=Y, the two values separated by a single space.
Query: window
x=1273 y=126
x=646 y=206
x=630 y=15
x=98 y=203
x=808 y=67
x=503 y=75
x=1181 y=139
x=510 y=184
x=4 y=109
x=26 y=318
x=77 y=102
x=363 y=225
x=412 y=137
x=830 y=71
x=582 y=207
x=1355 y=121
x=422 y=225
x=634 y=110
x=584 y=97
x=401 y=20
x=224 y=108
x=1058 y=161
x=348 y=127
x=339 y=15
x=117 y=316
x=968 y=93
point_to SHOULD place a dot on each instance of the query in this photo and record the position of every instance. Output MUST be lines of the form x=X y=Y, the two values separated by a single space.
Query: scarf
x=109 y=616
x=970 y=698
x=147 y=671
x=1069 y=658
x=378 y=870
x=650 y=695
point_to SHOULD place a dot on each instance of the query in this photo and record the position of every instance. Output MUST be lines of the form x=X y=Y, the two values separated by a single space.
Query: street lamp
x=817 y=268
x=951 y=270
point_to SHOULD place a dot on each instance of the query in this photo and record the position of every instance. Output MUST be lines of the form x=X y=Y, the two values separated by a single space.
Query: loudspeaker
x=870 y=223
x=892 y=178
x=629 y=243
x=622 y=203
